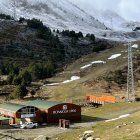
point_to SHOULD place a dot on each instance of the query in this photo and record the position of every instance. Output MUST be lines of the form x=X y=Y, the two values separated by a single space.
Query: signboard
x=28 y=115
x=64 y=110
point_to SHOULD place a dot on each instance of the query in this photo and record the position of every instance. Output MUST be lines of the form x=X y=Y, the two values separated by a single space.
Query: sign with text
x=28 y=115
x=64 y=110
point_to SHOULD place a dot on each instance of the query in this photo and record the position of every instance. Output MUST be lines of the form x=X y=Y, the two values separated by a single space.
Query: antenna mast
x=130 y=76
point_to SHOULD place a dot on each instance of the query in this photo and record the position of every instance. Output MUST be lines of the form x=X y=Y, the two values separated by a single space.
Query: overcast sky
x=129 y=9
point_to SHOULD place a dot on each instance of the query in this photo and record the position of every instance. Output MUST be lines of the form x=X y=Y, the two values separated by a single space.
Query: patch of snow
x=111 y=120
x=114 y=56
x=124 y=116
x=66 y=81
x=120 y=117
x=86 y=66
x=53 y=84
x=135 y=46
x=94 y=62
x=98 y=62
x=73 y=78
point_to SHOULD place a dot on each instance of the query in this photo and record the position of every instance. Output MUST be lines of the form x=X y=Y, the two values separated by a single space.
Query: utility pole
x=130 y=76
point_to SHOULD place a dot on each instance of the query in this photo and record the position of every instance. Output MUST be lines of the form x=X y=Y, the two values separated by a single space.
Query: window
x=24 y=111
x=28 y=110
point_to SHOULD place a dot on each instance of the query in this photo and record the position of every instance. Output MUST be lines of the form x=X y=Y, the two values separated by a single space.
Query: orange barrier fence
x=107 y=99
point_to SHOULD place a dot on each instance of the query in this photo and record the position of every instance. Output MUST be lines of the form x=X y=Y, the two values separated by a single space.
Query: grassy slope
x=78 y=89
x=108 y=131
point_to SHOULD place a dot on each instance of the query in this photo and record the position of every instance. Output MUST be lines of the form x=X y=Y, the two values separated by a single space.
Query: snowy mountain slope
x=63 y=14
x=115 y=21
x=56 y=14
x=111 y=19
x=130 y=25
x=107 y=17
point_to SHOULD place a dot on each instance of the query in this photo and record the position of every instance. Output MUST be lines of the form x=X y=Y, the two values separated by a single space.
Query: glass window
x=28 y=110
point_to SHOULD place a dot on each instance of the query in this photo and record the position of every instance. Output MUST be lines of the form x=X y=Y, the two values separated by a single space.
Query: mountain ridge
x=62 y=14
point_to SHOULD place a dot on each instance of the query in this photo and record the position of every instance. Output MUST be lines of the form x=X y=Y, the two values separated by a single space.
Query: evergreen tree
x=21 y=20
x=92 y=37
x=32 y=93
x=17 y=80
x=26 y=77
x=10 y=78
x=34 y=23
x=19 y=92
x=57 y=31
x=80 y=34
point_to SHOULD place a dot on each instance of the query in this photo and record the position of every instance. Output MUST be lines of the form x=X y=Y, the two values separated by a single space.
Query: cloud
x=129 y=9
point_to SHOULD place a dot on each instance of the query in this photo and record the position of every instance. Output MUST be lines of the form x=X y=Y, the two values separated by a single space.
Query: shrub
x=99 y=48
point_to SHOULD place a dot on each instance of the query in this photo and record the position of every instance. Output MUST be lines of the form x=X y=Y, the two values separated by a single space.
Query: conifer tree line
x=23 y=76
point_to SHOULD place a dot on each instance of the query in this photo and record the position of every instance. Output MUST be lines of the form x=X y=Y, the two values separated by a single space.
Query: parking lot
x=49 y=131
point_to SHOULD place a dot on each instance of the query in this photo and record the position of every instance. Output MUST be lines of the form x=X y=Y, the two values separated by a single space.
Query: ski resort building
x=40 y=111
x=17 y=111
x=51 y=111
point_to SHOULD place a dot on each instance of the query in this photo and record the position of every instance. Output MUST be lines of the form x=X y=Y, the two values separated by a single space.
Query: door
x=44 y=116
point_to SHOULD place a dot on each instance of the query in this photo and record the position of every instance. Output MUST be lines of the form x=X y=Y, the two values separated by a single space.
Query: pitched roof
x=11 y=107
x=43 y=104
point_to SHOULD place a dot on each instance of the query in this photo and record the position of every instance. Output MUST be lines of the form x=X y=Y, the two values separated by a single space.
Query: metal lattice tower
x=111 y=23
x=130 y=76
x=14 y=9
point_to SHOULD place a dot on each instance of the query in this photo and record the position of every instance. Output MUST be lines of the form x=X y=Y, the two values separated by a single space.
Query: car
x=28 y=125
